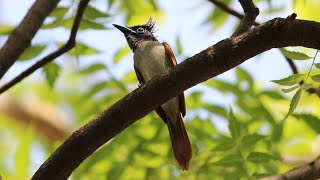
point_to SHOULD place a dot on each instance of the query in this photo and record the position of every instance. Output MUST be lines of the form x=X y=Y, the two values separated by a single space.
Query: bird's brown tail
x=180 y=142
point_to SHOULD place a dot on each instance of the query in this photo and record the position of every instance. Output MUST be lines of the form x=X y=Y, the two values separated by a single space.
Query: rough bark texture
x=209 y=63
x=21 y=37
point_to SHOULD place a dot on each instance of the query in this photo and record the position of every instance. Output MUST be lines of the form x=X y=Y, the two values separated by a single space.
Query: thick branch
x=310 y=171
x=209 y=63
x=65 y=48
x=21 y=37
x=251 y=12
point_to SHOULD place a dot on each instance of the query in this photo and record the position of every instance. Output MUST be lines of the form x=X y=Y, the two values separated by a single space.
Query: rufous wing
x=173 y=62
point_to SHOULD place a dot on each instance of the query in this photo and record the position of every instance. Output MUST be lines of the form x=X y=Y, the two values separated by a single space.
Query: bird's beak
x=123 y=29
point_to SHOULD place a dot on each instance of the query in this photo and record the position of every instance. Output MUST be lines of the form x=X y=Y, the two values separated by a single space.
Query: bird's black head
x=137 y=34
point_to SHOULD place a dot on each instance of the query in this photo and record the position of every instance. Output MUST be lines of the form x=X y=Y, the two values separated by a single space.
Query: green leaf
x=216 y=109
x=59 y=12
x=32 y=52
x=230 y=159
x=294 y=102
x=259 y=157
x=316 y=78
x=273 y=94
x=51 y=72
x=234 y=126
x=121 y=53
x=89 y=24
x=291 y=80
x=82 y=49
x=179 y=45
x=226 y=144
x=312 y=121
x=307 y=86
x=295 y=55
x=277 y=131
x=22 y=157
x=92 y=68
x=250 y=140
x=243 y=75
x=290 y=89
x=317 y=65
x=93 y=13
x=5 y=29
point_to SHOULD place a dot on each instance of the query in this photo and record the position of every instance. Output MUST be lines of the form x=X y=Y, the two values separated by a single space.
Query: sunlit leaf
x=317 y=65
x=307 y=86
x=227 y=144
x=32 y=52
x=291 y=80
x=234 y=126
x=92 y=68
x=312 y=121
x=51 y=71
x=316 y=78
x=121 y=53
x=295 y=55
x=59 y=12
x=307 y=9
x=83 y=49
x=94 y=13
x=294 y=102
x=179 y=45
x=259 y=157
x=290 y=89
x=5 y=29
x=22 y=156
x=273 y=94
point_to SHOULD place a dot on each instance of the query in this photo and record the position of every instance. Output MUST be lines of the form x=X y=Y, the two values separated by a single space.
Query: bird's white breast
x=150 y=60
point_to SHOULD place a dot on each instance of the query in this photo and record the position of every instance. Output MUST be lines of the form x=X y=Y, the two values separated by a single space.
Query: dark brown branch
x=65 y=48
x=251 y=12
x=310 y=171
x=21 y=37
x=209 y=63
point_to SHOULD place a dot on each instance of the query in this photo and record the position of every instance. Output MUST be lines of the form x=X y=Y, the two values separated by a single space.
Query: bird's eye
x=140 y=30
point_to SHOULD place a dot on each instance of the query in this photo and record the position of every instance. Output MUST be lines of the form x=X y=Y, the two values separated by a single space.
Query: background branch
x=21 y=37
x=211 y=62
x=310 y=171
x=233 y=12
x=251 y=12
x=71 y=43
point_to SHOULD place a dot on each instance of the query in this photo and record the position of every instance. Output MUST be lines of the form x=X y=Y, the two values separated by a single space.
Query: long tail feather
x=180 y=142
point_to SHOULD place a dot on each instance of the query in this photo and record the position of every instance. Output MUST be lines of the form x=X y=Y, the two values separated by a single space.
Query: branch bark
x=310 y=171
x=209 y=63
x=21 y=37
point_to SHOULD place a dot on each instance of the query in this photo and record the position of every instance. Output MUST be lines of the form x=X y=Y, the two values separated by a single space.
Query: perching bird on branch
x=152 y=58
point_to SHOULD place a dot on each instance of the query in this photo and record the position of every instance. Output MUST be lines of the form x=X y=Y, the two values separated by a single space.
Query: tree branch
x=251 y=12
x=310 y=171
x=21 y=37
x=209 y=63
x=292 y=65
x=65 y=48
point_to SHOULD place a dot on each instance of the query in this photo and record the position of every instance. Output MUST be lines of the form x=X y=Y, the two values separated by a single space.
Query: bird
x=152 y=58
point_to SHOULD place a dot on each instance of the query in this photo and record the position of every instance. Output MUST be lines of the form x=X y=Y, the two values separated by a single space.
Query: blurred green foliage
x=255 y=143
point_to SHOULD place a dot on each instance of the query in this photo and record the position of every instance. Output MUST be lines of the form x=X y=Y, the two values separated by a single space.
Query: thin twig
x=65 y=48
x=251 y=12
